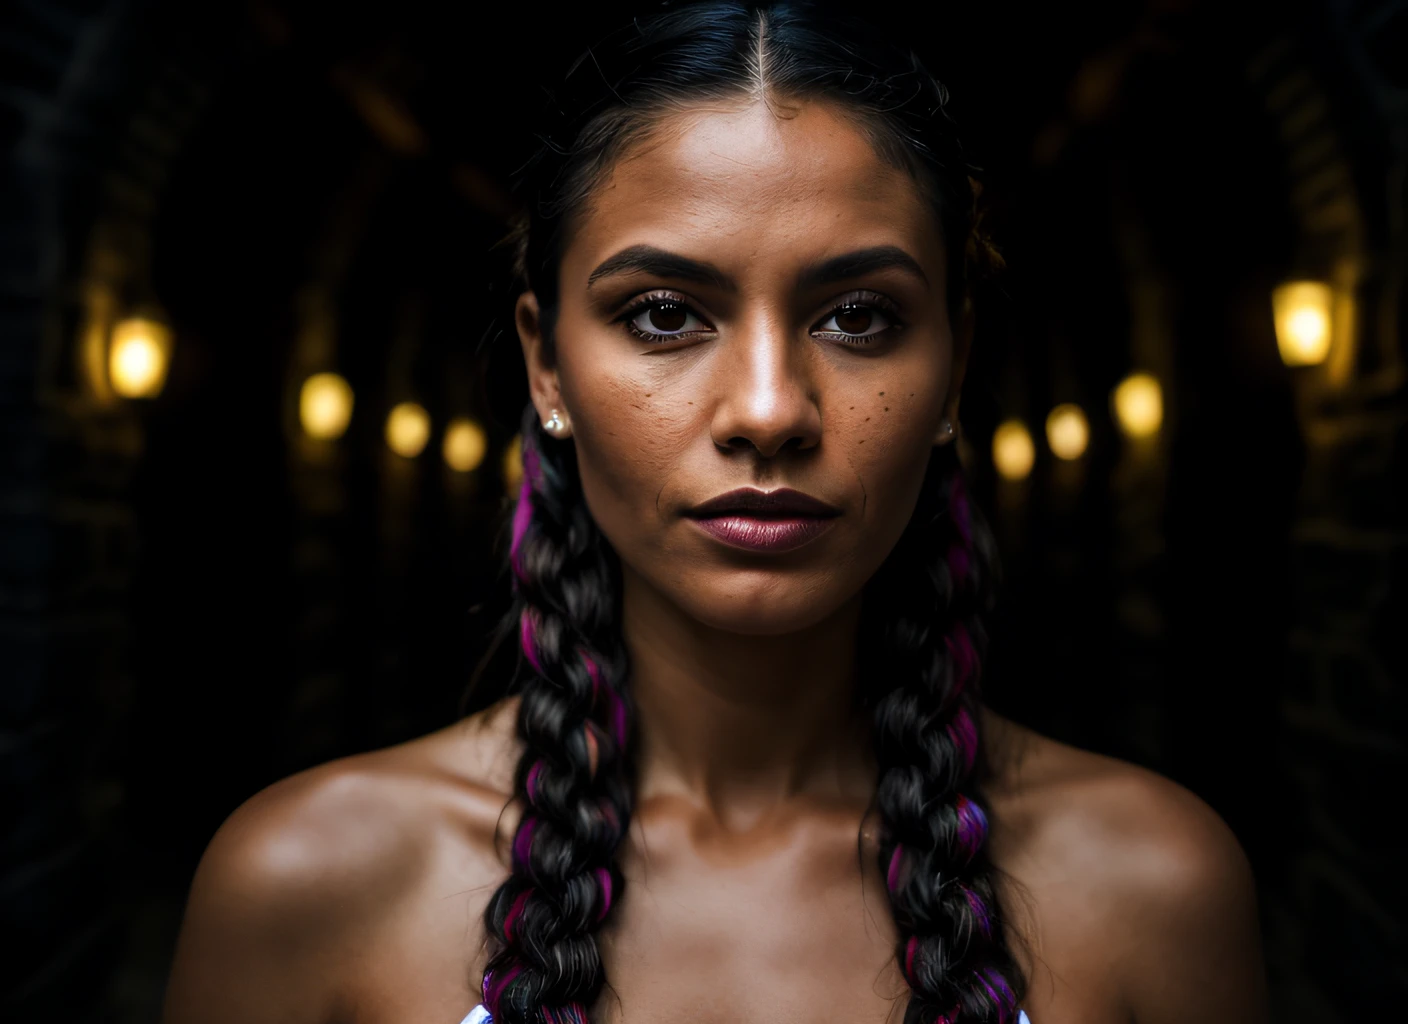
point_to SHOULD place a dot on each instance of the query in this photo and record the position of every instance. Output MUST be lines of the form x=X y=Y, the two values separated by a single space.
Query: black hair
x=922 y=631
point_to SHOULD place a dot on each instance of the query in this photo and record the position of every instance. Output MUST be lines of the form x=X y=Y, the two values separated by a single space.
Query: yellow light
x=1013 y=452
x=513 y=465
x=465 y=444
x=1067 y=431
x=139 y=357
x=325 y=406
x=1301 y=310
x=408 y=429
x=1139 y=405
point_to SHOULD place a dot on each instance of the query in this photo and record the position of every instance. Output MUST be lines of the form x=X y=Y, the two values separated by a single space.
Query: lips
x=783 y=503
x=764 y=521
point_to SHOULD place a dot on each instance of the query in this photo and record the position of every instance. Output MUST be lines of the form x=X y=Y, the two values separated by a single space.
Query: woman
x=747 y=776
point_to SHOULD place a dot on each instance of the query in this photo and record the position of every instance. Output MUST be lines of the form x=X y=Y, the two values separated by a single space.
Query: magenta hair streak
x=522 y=518
x=964 y=735
x=965 y=658
x=531 y=784
x=980 y=911
x=572 y=1013
x=528 y=639
x=514 y=913
x=604 y=877
x=972 y=825
x=523 y=842
x=892 y=877
x=494 y=985
x=911 y=947
x=999 y=992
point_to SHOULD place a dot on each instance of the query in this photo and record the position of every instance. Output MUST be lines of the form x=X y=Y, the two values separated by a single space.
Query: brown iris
x=667 y=318
x=854 y=319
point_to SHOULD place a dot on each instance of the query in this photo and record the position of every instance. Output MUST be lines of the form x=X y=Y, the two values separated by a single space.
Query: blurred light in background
x=325 y=406
x=465 y=444
x=1067 y=431
x=139 y=357
x=513 y=465
x=1302 y=313
x=408 y=429
x=1013 y=452
x=1139 y=405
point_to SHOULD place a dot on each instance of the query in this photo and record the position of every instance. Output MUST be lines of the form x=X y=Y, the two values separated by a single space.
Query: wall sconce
x=1013 y=452
x=1138 y=403
x=1301 y=310
x=139 y=355
x=513 y=465
x=408 y=429
x=325 y=406
x=1067 y=431
x=465 y=445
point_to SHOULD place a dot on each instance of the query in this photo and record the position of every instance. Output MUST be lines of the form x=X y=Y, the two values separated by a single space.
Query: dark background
x=195 y=602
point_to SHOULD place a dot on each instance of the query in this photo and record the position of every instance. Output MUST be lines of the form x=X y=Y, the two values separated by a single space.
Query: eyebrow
x=647 y=259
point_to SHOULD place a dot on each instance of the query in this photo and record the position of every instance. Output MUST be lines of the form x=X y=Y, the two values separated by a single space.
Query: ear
x=543 y=384
x=962 y=348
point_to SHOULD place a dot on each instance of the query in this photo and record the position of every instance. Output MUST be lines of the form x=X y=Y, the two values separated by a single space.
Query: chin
x=755 y=603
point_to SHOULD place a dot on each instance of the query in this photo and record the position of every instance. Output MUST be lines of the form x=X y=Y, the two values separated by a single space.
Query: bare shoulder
x=1121 y=860
x=330 y=853
x=1056 y=800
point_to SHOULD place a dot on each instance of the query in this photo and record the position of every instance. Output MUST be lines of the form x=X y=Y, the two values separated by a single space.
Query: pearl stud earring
x=556 y=425
x=946 y=430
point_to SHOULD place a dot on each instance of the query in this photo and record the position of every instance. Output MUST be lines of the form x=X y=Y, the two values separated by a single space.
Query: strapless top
x=480 y=1015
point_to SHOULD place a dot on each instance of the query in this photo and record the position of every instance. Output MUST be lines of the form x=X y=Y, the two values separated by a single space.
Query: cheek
x=630 y=434
x=888 y=435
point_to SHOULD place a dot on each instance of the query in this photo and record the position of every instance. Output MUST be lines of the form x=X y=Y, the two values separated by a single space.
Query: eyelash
x=855 y=300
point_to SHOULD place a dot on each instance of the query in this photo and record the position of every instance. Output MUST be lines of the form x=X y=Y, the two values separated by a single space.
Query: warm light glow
x=325 y=406
x=138 y=357
x=1302 y=313
x=1067 y=431
x=1139 y=405
x=465 y=444
x=513 y=465
x=408 y=429
x=1013 y=451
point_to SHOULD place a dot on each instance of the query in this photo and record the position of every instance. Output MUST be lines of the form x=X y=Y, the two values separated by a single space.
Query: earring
x=945 y=430
x=556 y=425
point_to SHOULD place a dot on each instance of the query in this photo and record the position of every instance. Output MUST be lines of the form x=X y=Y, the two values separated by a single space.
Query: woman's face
x=753 y=299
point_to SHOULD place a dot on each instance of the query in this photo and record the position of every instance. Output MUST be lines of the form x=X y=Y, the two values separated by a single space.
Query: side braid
x=925 y=637
x=575 y=776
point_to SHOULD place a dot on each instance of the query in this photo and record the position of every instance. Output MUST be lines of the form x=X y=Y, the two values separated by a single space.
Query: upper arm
x=285 y=884
x=1195 y=948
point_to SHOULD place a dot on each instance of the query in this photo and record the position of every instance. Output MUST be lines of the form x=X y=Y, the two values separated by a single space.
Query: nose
x=767 y=401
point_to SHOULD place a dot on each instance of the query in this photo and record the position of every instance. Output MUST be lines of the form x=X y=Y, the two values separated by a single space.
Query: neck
x=741 y=723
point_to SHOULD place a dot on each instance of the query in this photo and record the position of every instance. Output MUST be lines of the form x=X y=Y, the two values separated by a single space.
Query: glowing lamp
x=1067 y=431
x=325 y=406
x=408 y=429
x=513 y=465
x=1013 y=452
x=1301 y=310
x=465 y=445
x=1139 y=405
x=138 y=357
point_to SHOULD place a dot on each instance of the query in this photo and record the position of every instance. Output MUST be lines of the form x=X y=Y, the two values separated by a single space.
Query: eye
x=662 y=318
x=857 y=322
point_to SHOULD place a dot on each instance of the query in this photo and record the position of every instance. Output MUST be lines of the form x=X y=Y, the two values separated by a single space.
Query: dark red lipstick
x=771 y=521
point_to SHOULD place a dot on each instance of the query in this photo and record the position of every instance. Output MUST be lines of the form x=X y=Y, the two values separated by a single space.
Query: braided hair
x=922 y=634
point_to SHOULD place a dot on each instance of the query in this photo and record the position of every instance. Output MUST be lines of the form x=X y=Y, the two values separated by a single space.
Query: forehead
x=752 y=182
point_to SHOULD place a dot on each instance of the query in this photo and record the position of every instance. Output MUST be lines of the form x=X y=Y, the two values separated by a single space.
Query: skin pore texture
x=356 y=891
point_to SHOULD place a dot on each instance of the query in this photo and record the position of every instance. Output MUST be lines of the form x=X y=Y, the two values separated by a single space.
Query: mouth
x=769 y=521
